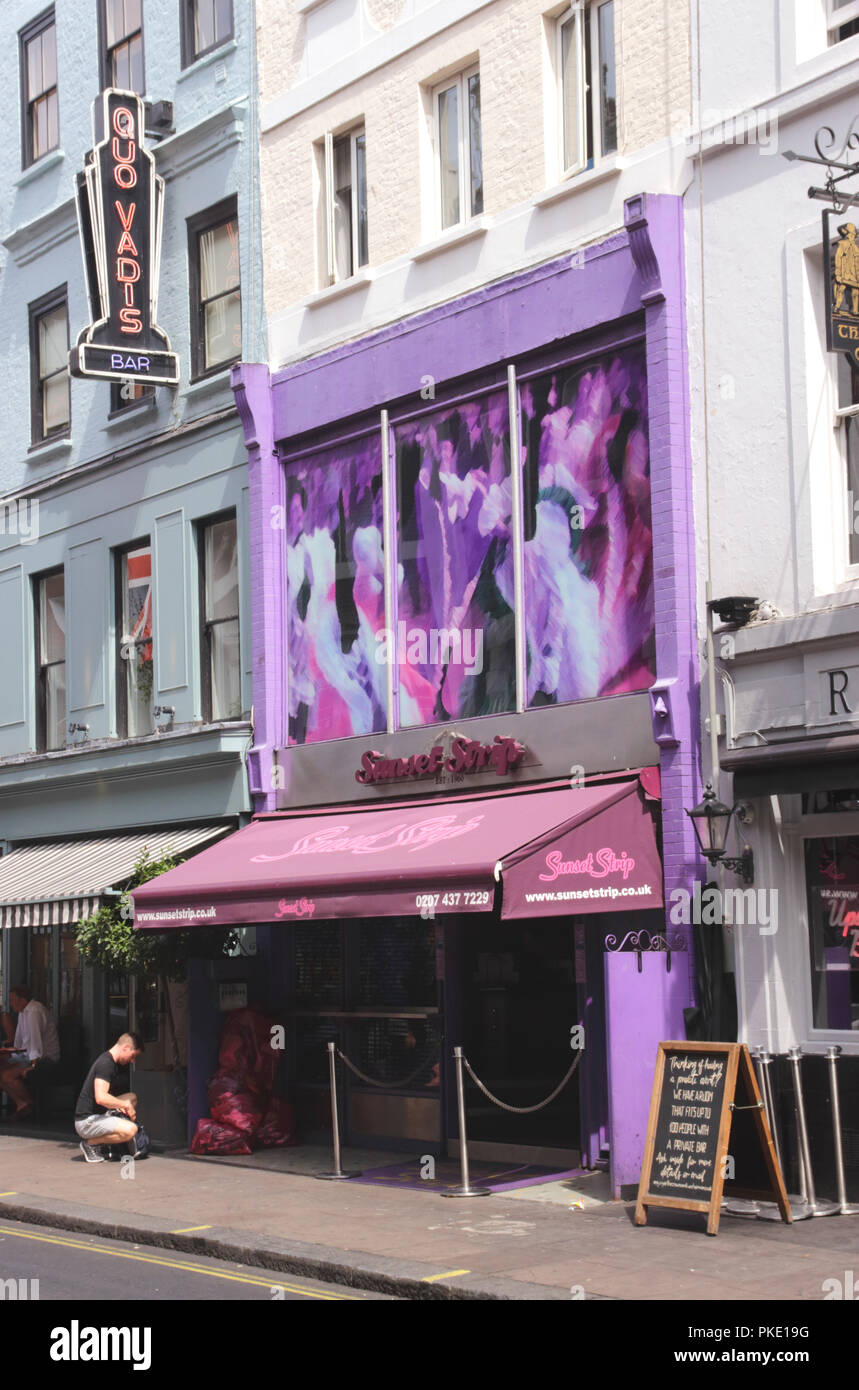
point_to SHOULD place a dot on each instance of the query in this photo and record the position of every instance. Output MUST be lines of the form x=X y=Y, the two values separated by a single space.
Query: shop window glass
x=147 y=1008
x=832 y=881
x=455 y=633
x=397 y=963
x=589 y=614
x=41 y=970
x=335 y=593
x=404 y=1050
x=70 y=975
x=117 y=1006
x=318 y=964
x=312 y=1036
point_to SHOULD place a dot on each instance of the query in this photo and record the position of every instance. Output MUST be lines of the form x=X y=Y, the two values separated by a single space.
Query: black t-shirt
x=106 y=1068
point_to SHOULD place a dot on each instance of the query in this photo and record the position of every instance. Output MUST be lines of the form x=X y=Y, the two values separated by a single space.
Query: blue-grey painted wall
x=153 y=471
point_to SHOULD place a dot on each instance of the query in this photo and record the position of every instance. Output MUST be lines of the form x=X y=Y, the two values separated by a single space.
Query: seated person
x=93 y=1125
x=35 y=1047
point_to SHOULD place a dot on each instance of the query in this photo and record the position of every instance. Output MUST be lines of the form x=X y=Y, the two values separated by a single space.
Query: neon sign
x=120 y=204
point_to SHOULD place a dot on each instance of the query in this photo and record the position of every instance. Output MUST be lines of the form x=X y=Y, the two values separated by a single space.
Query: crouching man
x=93 y=1125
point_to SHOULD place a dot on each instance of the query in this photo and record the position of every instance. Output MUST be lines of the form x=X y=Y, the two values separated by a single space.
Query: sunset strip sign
x=120 y=205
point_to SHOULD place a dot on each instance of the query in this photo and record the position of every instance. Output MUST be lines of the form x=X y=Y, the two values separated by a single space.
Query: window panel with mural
x=589 y=613
x=335 y=593
x=455 y=640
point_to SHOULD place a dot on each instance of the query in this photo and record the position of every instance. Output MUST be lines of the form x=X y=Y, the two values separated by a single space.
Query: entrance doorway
x=524 y=986
x=370 y=985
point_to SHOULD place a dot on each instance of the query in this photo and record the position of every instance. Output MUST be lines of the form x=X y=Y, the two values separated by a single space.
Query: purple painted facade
x=626 y=306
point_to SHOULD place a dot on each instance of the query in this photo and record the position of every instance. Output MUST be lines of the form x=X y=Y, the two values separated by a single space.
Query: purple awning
x=557 y=852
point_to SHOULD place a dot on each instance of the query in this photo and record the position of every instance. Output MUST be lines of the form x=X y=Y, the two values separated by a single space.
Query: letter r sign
x=837 y=693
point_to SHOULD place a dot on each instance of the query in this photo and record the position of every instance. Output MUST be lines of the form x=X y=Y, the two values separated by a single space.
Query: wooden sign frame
x=739 y=1070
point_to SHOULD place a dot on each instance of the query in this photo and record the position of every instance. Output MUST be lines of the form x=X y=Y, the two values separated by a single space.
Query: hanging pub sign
x=841 y=260
x=120 y=201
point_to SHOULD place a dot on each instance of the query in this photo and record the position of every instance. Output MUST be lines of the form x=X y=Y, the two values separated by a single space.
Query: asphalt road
x=89 y=1269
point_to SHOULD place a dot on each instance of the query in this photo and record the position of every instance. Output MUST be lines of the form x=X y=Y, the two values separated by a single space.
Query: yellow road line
x=273 y=1282
x=8 y=1194
x=451 y=1274
x=183 y=1230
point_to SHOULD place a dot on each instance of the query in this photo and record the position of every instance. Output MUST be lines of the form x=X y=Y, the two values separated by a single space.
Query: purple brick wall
x=267 y=556
x=645 y=1008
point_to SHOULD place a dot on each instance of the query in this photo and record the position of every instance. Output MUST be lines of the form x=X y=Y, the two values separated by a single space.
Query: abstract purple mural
x=588 y=564
x=589 y=615
x=455 y=597
x=335 y=592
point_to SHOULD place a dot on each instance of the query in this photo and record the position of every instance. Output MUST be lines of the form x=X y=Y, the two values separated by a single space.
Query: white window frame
x=584 y=12
x=837 y=15
x=459 y=80
x=330 y=240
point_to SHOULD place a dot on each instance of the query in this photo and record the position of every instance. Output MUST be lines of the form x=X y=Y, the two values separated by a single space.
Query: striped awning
x=53 y=882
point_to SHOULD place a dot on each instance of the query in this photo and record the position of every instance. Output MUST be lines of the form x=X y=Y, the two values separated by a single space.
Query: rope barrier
x=521 y=1109
x=386 y=1085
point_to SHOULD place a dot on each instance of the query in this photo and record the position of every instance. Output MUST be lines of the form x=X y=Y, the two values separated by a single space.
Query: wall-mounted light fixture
x=712 y=821
x=734 y=610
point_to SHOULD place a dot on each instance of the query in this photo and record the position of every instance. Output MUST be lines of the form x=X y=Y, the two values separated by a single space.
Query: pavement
x=556 y=1241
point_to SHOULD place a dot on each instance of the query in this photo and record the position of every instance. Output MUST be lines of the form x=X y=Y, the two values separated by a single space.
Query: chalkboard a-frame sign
x=707 y=1134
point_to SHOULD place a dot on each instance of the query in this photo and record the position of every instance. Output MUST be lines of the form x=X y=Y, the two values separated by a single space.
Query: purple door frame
x=638 y=271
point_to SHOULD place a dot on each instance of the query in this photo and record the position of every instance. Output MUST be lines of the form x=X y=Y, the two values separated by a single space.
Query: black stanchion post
x=338 y=1174
x=465 y=1189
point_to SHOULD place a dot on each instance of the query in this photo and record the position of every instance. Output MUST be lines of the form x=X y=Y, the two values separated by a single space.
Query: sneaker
x=90 y=1153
